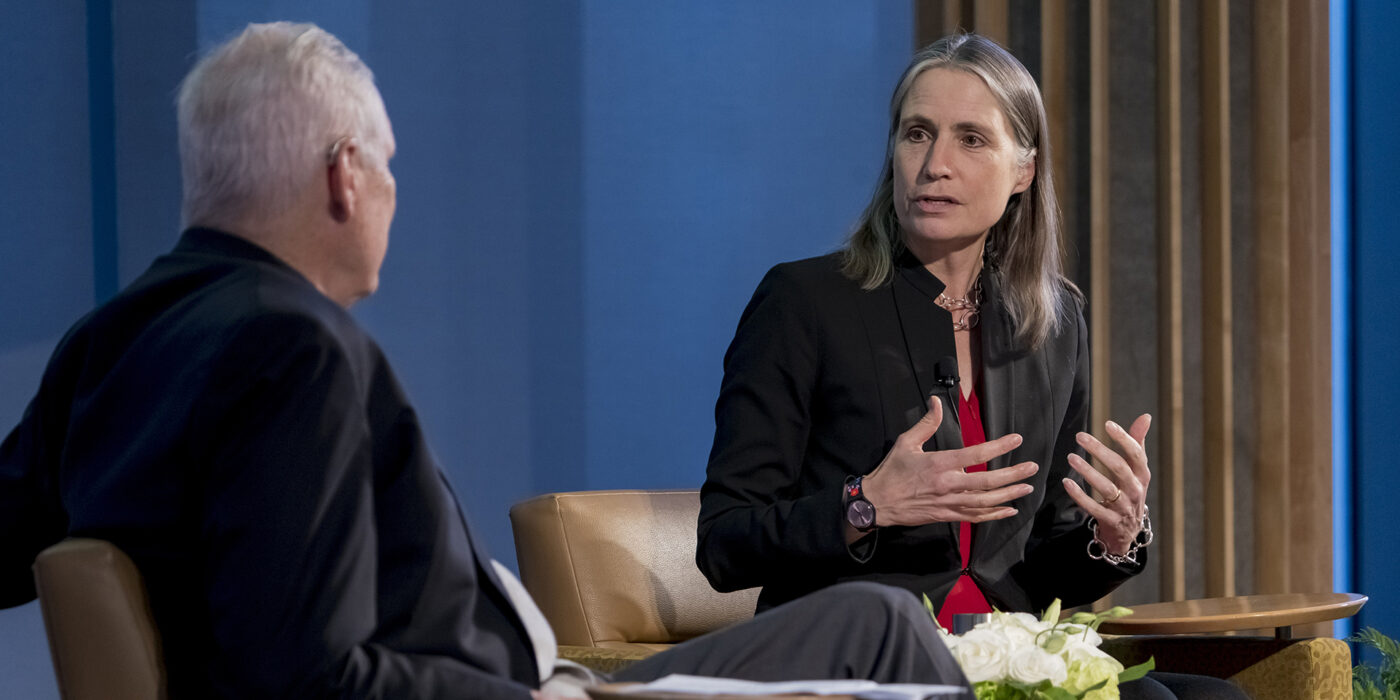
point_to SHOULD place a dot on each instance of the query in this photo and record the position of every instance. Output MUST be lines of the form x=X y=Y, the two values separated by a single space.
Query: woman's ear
x=1025 y=175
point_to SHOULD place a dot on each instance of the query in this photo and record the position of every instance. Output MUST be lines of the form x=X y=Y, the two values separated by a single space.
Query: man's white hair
x=259 y=115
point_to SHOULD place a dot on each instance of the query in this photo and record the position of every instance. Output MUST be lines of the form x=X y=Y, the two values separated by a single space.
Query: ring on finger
x=1113 y=500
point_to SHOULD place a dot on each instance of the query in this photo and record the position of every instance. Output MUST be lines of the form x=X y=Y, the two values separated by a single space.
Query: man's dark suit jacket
x=821 y=378
x=246 y=443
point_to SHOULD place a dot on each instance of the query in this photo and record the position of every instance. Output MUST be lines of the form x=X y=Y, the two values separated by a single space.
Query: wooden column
x=1217 y=328
x=1169 y=428
x=1099 y=257
x=1055 y=87
x=1309 y=308
x=1271 y=221
x=992 y=19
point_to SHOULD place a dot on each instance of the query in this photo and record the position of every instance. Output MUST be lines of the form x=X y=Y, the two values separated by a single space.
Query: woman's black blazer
x=821 y=378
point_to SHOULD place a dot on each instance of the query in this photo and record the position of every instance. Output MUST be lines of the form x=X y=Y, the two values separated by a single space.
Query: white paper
x=867 y=690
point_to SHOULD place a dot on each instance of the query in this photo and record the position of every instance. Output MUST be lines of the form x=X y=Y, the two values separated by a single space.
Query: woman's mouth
x=936 y=204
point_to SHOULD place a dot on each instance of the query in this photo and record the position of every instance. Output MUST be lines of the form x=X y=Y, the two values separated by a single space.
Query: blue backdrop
x=1372 y=164
x=588 y=193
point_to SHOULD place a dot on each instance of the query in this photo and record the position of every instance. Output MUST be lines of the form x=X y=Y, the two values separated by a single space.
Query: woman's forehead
x=953 y=96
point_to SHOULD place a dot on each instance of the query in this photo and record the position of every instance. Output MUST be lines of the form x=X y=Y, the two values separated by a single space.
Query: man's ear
x=1025 y=175
x=340 y=180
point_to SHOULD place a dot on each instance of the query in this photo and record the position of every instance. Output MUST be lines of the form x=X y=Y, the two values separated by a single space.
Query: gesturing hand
x=914 y=487
x=1122 y=489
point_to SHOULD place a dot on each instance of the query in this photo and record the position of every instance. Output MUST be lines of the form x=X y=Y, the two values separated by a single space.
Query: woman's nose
x=936 y=161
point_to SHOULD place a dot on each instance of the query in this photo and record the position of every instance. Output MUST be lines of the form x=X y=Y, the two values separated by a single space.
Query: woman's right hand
x=914 y=487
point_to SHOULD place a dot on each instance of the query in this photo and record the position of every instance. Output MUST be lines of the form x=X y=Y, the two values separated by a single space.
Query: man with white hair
x=225 y=422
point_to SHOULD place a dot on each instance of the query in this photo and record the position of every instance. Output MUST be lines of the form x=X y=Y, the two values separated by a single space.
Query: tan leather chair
x=614 y=572
x=101 y=634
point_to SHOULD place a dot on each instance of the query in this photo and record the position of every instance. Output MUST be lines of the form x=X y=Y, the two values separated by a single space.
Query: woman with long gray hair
x=912 y=408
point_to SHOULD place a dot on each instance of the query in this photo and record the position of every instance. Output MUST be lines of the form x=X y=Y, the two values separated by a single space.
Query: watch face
x=860 y=514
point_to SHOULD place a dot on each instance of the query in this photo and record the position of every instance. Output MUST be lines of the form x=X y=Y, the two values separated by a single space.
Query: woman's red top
x=966 y=597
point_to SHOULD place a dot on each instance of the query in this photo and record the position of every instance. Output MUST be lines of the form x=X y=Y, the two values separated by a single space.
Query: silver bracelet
x=1144 y=538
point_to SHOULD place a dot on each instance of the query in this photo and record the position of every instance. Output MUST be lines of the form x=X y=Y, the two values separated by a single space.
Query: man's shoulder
x=263 y=315
x=236 y=292
x=188 y=313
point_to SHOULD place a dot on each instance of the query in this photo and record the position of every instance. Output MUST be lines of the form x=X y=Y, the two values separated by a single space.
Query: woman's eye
x=972 y=140
x=916 y=135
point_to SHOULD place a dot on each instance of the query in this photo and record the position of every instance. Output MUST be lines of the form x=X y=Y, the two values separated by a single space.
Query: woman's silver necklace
x=969 y=305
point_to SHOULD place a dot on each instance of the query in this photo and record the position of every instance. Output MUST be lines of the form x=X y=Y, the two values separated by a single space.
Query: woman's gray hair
x=1023 y=247
x=259 y=115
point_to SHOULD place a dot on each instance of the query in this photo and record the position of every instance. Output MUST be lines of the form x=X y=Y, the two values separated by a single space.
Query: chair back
x=617 y=568
x=101 y=633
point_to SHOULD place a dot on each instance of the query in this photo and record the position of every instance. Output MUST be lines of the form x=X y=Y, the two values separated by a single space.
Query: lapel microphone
x=946 y=371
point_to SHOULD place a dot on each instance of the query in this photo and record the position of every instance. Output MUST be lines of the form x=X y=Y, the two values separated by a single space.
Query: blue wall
x=1374 y=150
x=588 y=192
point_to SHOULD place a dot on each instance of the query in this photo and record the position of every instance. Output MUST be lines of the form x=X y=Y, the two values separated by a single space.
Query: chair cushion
x=618 y=568
x=604 y=659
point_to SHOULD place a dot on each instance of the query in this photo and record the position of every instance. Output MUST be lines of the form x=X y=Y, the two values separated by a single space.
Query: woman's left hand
x=1122 y=487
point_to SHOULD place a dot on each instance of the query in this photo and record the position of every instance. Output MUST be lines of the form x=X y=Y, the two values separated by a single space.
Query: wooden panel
x=992 y=19
x=1054 y=86
x=1169 y=471
x=1099 y=265
x=1271 y=220
x=1217 y=328
x=928 y=21
x=957 y=16
x=1309 y=322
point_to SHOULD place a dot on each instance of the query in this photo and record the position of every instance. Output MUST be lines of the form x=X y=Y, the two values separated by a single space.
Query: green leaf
x=1133 y=673
x=1367 y=682
x=1094 y=687
x=928 y=605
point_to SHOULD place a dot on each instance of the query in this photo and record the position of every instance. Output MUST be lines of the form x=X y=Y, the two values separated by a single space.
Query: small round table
x=1280 y=610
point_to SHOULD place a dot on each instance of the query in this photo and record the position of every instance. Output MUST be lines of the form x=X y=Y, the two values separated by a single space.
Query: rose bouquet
x=1014 y=656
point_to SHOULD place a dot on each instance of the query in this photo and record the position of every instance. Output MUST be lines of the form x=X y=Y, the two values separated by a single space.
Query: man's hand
x=914 y=487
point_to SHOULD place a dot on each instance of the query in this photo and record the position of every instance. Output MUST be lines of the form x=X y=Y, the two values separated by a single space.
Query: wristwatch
x=860 y=513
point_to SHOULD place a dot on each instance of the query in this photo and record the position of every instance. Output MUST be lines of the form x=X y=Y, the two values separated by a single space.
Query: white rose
x=1032 y=665
x=1021 y=628
x=982 y=653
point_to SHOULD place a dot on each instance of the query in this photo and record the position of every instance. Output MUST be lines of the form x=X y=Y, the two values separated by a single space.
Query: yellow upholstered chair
x=101 y=634
x=1317 y=668
x=614 y=572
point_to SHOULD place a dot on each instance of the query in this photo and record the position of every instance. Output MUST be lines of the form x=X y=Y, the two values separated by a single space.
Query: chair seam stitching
x=573 y=571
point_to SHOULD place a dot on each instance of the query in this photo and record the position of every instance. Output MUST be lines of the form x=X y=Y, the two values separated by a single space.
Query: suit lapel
x=927 y=332
x=928 y=337
x=1015 y=399
x=998 y=390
